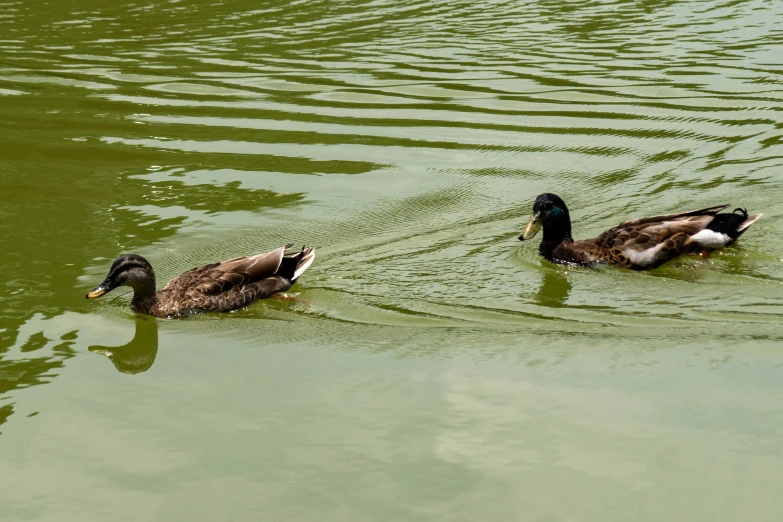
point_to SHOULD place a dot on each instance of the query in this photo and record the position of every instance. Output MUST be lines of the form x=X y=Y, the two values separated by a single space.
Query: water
x=428 y=366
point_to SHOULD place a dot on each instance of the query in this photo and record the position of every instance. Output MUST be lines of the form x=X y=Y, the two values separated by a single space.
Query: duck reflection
x=554 y=290
x=138 y=355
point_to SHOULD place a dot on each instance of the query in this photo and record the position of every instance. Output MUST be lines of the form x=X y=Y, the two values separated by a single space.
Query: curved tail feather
x=294 y=265
x=734 y=224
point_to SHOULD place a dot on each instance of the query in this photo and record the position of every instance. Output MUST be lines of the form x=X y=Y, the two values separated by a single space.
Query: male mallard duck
x=639 y=244
x=218 y=287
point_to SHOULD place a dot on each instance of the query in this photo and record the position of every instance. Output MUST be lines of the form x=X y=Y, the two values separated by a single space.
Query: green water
x=428 y=366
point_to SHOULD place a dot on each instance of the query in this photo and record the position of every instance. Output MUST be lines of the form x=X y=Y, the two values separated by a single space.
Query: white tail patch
x=304 y=263
x=711 y=240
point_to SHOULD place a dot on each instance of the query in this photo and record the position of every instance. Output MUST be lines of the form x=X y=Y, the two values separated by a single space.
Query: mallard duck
x=639 y=244
x=218 y=287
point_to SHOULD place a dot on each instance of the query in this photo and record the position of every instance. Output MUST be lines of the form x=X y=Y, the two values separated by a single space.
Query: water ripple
x=412 y=136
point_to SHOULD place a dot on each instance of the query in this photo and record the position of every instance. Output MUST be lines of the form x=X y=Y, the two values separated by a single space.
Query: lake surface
x=428 y=366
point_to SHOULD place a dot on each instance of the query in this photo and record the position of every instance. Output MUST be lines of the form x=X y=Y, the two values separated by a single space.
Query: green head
x=550 y=213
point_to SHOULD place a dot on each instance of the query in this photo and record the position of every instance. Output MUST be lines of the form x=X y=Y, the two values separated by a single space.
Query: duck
x=638 y=244
x=217 y=287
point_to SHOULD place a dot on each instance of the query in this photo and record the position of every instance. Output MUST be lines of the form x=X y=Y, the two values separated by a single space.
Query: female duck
x=639 y=244
x=218 y=287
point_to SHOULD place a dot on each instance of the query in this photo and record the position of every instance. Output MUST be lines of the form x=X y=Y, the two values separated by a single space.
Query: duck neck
x=555 y=232
x=144 y=295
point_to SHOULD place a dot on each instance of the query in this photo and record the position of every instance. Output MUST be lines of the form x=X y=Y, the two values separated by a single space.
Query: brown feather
x=216 y=287
x=663 y=237
x=656 y=228
x=216 y=278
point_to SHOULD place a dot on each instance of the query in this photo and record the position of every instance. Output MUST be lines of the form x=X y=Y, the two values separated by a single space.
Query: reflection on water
x=29 y=354
x=138 y=355
x=554 y=289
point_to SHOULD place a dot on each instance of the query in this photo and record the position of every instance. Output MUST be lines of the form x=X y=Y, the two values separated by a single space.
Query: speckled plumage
x=638 y=244
x=216 y=287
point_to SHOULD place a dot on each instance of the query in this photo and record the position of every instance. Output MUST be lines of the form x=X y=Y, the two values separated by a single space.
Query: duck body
x=638 y=244
x=216 y=287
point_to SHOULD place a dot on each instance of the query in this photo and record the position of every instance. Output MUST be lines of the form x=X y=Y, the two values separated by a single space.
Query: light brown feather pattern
x=215 y=287
x=667 y=235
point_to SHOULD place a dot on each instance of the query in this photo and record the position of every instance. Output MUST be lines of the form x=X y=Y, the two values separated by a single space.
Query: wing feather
x=642 y=234
x=216 y=278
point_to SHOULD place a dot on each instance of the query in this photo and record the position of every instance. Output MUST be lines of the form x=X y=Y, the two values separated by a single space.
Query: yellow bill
x=532 y=227
x=99 y=291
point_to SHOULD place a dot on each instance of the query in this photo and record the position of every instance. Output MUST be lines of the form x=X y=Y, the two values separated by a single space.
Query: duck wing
x=642 y=233
x=217 y=278
x=651 y=241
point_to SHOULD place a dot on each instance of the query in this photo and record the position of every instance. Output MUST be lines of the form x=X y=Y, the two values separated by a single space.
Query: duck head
x=128 y=270
x=550 y=213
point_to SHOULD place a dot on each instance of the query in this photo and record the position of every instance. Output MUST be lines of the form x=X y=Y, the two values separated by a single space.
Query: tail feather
x=307 y=256
x=294 y=265
x=748 y=222
x=733 y=224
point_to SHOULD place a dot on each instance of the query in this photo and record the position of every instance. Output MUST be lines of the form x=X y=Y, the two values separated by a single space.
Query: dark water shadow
x=139 y=354
x=554 y=291
x=32 y=365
